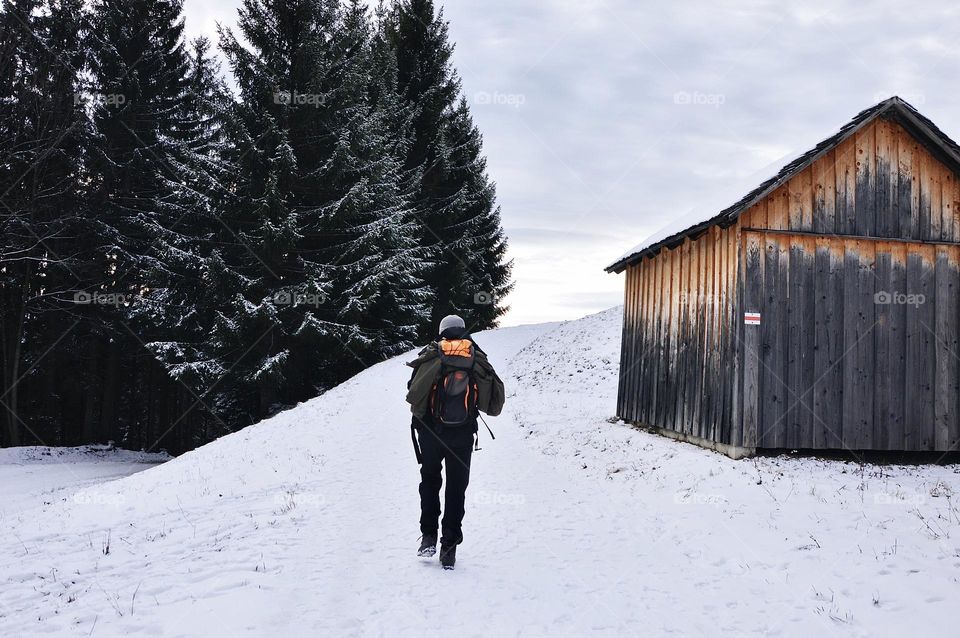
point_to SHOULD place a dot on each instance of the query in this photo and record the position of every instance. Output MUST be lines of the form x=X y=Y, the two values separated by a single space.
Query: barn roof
x=894 y=108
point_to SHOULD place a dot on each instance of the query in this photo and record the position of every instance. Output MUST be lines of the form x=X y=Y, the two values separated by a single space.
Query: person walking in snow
x=452 y=382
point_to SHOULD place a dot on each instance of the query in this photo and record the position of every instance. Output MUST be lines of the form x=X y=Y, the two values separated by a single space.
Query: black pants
x=454 y=446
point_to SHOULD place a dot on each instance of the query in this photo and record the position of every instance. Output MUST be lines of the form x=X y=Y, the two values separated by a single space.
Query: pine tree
x=454 y=197
x=155 y=173
x=279 y=142
x=43 y=132
x=257 y=249
x=474 y=224
x=139 y=70
x=378 y=270
x=189 y=286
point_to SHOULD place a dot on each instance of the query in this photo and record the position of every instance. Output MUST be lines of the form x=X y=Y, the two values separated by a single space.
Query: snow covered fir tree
x=190 y=247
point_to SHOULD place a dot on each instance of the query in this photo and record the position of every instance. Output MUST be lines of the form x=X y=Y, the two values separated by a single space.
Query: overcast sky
x=605 y=119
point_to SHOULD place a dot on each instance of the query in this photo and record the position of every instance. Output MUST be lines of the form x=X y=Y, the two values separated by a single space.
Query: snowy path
x=306 y=525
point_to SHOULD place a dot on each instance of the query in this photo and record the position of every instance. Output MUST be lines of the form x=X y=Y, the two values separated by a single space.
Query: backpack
x=453 y=398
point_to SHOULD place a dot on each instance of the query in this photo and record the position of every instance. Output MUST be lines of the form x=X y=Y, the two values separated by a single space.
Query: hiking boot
x=448 y=556
x=428 y=546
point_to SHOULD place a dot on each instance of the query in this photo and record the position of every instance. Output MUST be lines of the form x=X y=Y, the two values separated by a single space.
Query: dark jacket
x=426 y=371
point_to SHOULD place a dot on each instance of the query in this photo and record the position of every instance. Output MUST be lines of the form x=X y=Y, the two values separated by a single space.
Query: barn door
x=850 y=343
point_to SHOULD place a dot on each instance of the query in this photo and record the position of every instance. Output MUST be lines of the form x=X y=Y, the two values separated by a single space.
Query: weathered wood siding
x=857 y=343
x=881 y=182
x=678 y=363
x=829 y=366
x=833 y=368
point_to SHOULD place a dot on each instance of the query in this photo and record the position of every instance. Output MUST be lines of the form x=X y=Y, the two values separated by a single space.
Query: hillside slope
x=306 y=525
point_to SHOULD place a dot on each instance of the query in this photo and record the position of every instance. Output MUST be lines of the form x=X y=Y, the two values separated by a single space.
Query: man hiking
x=452 y=382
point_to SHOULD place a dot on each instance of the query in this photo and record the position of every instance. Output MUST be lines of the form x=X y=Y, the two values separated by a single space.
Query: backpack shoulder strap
x=431 y=351
x=416 y=444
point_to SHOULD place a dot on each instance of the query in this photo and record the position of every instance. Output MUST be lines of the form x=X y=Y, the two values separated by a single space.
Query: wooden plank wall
x=826 y=261
x=829 y=367
x=857 y=343
x=881 y=182
x=678 y=364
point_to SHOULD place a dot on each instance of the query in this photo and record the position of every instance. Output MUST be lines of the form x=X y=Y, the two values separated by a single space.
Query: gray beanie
x=451 y=321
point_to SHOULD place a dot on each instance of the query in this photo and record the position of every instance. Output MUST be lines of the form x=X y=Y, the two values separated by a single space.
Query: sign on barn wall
x=751 y=318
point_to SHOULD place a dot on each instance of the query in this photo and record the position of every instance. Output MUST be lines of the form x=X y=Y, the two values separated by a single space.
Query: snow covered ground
x=306 y=525
x=30 y=476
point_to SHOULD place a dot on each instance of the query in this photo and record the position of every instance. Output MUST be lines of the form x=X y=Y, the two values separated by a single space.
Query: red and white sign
x=751 y=318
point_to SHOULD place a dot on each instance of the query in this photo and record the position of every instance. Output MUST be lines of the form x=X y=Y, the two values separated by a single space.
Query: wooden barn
x=818 y=312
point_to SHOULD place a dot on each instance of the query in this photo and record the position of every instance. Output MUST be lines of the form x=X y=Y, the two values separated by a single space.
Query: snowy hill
x=306 y=525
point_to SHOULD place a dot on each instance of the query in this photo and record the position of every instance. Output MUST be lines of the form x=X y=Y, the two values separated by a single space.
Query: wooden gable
x=881 y=182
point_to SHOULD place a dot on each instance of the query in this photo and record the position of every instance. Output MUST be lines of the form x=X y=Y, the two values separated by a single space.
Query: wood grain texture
x=830 y=366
